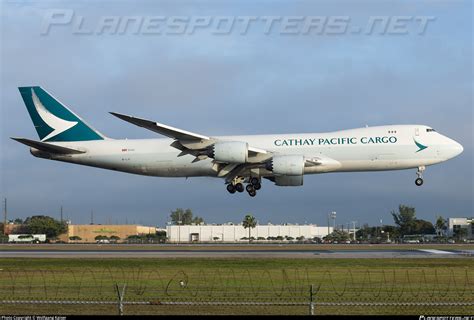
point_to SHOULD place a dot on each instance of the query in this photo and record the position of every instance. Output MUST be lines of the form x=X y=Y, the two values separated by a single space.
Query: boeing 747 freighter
x=239 y=160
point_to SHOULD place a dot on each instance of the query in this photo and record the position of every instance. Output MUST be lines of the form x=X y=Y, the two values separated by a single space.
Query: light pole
x=179 y=231
x=333 y=216
x=354 y=229
x=169 y=227
x=179 y=226
x=5 y=217
x=328 y=222
x=381 y=231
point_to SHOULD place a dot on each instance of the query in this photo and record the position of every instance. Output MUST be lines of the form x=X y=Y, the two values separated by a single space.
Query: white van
x=26 y=238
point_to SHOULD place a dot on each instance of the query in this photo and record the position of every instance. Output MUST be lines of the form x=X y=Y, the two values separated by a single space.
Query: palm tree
x=249 y=222
x=441 y=226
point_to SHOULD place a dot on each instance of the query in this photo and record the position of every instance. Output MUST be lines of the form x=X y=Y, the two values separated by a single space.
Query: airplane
x=283 y=159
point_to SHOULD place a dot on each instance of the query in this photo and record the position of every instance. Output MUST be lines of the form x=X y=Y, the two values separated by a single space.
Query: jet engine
x=288 y=169
x=229 y=151
x=286 y=165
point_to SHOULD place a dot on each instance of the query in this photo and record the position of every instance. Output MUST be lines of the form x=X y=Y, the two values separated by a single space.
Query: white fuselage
x=390 y=147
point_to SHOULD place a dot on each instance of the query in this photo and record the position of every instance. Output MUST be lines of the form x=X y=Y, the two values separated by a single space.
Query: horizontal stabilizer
x=48 y=147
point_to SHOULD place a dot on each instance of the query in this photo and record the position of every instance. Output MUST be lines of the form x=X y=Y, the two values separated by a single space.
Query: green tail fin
x=54 y=121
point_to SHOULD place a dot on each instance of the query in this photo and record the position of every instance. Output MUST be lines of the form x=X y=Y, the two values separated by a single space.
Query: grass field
x=243 y=280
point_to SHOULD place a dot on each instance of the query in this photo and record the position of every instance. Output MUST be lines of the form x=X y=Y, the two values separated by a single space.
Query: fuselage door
x=417 y=131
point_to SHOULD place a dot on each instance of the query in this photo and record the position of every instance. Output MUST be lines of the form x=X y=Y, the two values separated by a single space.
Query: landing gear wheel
x=419 y=181
x=239 y=187
x=419 y=173
x=251 y=190
x=257 y=186
x=254 y=181
x=231 y=188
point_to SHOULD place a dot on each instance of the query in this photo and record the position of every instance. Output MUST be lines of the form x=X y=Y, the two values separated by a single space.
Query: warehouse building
x=87 y=233
x=455 y=224
x=236 y=232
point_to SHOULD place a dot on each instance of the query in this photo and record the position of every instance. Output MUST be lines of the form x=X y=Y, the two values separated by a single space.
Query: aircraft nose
x=456 y=148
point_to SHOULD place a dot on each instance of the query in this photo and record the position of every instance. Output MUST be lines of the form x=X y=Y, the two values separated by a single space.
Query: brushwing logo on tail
x=59 y=125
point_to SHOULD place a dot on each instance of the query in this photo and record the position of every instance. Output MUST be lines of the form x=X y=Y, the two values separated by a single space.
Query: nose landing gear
x=418 y=181
x=419 y=173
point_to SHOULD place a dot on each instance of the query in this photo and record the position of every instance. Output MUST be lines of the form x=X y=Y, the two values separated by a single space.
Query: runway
x=236 y=253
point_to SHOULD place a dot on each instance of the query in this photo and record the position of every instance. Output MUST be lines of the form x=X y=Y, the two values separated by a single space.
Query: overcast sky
x=259 y=82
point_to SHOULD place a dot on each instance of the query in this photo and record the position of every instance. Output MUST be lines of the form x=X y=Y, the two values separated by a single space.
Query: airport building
x=236 y=232
x=88 y=232
x=13 y=228
x=455 y=224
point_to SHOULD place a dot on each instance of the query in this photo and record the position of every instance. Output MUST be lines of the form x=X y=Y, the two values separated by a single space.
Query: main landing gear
x=253 y=184
x=251 y=190
x=232 y=188
x=419 y=173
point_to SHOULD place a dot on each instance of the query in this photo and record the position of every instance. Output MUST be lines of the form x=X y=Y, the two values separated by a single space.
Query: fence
x=136 y=291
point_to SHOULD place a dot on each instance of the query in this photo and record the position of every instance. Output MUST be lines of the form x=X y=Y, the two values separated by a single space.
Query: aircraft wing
x=163 y=129
x=48 y=147
x=188 y=142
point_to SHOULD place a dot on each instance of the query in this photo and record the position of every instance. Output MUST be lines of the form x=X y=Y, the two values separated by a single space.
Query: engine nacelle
x=230 y=151
x=287 y=165
x=288 y=181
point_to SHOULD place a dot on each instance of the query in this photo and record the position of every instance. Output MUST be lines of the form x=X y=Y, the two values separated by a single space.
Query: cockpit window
x=430 y=130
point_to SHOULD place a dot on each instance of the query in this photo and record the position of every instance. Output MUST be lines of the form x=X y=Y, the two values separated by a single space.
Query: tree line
x=406 y=223
x=40 y=224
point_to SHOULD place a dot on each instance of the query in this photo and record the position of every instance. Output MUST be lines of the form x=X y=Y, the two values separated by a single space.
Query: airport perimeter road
x=235 y=251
